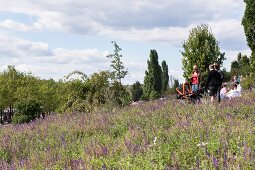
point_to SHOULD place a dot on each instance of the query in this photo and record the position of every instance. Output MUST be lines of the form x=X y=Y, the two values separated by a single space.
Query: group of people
x=234 y=90
x=217 y=90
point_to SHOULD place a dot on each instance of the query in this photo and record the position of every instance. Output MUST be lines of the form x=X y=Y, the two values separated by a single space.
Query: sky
x=52 y=38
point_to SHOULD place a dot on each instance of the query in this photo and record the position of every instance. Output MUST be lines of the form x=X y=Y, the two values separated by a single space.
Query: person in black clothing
x=217 y=68
x=213 y=82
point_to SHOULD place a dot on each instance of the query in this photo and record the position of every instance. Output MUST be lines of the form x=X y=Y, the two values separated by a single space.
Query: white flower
x=202 y=144
x=154 y=142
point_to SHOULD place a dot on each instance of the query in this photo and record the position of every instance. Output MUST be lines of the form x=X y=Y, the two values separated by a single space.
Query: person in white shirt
x=223 y=91
x=235 y=92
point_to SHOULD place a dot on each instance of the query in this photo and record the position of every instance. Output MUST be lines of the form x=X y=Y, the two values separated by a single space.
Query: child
x=195 y=79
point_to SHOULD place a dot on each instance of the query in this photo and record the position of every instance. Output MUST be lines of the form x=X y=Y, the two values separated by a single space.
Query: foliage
x=48 y=95
x=165 y=76
x=76 y=73
x=118 y=95
x=26 y=111
x=173 y=84
x=241 y=66
x=136 y=91
x=153 y=77
x=248 y=82
x=75 y=93
x=202 y=49
x=119 y=70
x=10 y=80
x=98 y=84
x=176 y=83
x=248 y=23
x=235 y=70
x=227 y=75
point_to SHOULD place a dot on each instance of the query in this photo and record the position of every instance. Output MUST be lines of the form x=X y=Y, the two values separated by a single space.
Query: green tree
x=19 y=87
x=153 y=77
x=176 y=83
x=98 y=85
x=75 y=90
x=136 y=91
x=202 y=49
x=165 y=76
x=118 y=95
x=241 y=66
x=49 y=96
x=27 y=110
x=119 y=70
x=227 y=75
x=173 y=84
x=10 y=82
x=235 y=69
x=248 y=23
x=147 y=85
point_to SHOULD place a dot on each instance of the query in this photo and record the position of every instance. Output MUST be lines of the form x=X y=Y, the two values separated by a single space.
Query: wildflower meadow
x=160 y=134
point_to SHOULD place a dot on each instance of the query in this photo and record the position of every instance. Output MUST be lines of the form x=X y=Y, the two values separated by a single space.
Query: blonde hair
x=195 y=67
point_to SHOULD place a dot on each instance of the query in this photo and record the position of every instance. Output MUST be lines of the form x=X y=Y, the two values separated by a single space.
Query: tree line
x=24 y=97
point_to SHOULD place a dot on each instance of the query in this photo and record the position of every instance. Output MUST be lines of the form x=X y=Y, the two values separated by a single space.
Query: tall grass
x=163 y=134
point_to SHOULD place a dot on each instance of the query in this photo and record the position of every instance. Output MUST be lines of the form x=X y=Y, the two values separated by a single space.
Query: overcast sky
x=51 y=38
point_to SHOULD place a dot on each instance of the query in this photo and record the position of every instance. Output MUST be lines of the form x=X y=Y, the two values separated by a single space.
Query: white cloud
x=173 y=35
x=38 y=58
x=230 y=33
x=130 y=20
x=85 y=17
x=16 y=47
x=64 y=56
x=10 y=24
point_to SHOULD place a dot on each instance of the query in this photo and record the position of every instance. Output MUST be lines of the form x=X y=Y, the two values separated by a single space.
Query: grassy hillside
x=162 y=134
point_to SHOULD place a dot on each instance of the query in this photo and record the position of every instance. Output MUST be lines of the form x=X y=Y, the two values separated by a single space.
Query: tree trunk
x=10 y=114
x=1 y=112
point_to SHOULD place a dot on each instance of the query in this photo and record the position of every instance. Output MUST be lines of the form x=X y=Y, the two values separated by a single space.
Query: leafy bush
x=247 y=82
x=27 y=110
x=20 y=118
x=136 y=91
x=154 y=95
x=119 y=95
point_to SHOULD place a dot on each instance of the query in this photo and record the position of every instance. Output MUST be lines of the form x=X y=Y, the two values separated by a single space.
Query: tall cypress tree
x=153 y=77
x=165 y=76
x=147 y=84
x=248 y=23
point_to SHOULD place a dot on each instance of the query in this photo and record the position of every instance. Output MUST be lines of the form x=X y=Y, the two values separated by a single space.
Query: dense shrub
x=119 y=95
x=136 y=91
x=247 y=82
x=26 y=111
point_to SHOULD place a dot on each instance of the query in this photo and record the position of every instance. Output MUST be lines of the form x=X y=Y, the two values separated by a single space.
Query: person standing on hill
x=195 y=79
x=217 y=68
x=213 y=82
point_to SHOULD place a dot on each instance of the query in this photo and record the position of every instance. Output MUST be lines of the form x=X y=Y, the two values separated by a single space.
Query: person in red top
x=195 y=79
